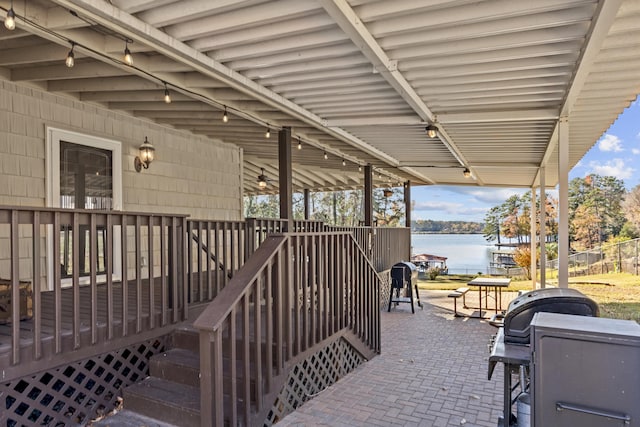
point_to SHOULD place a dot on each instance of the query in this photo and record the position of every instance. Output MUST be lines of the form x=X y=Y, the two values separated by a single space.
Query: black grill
x=518 y=317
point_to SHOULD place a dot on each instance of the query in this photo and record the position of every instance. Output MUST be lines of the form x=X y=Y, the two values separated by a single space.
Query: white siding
x=190 y=175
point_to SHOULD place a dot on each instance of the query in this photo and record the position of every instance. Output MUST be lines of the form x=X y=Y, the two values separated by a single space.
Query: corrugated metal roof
x=358 y=79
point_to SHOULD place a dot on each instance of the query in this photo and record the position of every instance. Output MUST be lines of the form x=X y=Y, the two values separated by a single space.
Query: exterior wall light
x=147 y=154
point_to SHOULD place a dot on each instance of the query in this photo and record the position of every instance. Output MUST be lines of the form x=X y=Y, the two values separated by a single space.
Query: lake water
x=466 y=253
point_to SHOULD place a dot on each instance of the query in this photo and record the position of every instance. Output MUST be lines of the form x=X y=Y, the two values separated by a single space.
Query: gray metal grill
x=518 y=317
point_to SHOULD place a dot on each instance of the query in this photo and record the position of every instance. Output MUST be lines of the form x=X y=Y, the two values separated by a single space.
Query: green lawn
x=617 y=294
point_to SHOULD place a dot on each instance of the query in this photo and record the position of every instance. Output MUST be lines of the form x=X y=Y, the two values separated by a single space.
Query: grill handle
x=561 y=406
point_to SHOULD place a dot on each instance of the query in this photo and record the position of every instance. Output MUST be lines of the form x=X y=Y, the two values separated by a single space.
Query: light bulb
x=359 y=168
x=167 y=95
x=262 y=184
x=344 y=162
x=128 y=59
x=325 y=155
x=225 y=117
x=267 y=134
x=10 y=20
x=70 y=61
x=299 y=144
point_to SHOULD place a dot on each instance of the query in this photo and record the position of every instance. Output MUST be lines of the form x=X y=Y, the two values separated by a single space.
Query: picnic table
x=485 y=284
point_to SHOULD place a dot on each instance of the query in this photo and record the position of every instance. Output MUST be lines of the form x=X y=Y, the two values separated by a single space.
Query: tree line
x=446 y=227
x=342 y=208
x=600 y=211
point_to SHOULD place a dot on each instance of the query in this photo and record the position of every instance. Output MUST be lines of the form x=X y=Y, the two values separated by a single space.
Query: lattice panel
x=311 y=376
x=385 y=289
x=74 y=394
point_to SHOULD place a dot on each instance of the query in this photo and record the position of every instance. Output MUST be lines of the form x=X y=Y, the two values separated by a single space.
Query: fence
x=620 y=257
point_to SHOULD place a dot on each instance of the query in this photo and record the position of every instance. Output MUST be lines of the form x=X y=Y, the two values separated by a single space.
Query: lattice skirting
x=313 y=375
x=75 y=394
x=385 y=289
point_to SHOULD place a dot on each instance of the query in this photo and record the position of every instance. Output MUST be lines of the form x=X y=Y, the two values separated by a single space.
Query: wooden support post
x=284 y=168
x=368 y=195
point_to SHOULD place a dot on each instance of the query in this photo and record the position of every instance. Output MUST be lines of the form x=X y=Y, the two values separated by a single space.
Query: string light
x=326 y=156
x=344 y=162
x=70 y=61
x=10 y=20
x=299 y=144
x=167 y=95
x=225 y=117
x=432 y=131
x=128 y=59
x=267 y=134
x=359 y=168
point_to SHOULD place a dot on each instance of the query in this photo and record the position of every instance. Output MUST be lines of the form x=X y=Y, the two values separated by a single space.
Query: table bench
x=460 y=292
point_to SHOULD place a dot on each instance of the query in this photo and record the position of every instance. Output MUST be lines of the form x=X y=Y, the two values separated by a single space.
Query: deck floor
x=432 y=371
x=85 y=310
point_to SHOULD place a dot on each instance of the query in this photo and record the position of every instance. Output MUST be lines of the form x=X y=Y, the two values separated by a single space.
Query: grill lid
x=553 y=300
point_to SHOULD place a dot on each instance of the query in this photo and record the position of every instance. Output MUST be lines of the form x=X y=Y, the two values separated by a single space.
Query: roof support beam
x=352 y=25
x=499 y=116
x=116 y=19
x=602 y=22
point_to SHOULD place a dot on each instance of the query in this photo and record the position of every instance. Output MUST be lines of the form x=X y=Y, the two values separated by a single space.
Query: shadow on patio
x=432 y=371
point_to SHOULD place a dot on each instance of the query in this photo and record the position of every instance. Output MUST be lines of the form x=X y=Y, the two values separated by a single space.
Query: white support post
x=563 y=205
x=543 y=229
x=534 y=244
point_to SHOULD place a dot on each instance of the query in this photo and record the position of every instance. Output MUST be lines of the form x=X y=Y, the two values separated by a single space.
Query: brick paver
x=432 y=371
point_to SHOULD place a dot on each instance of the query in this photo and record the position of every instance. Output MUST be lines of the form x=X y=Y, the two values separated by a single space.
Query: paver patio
x=432 y=371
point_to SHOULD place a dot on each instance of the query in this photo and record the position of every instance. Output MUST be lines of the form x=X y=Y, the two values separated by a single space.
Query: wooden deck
x=131 y=316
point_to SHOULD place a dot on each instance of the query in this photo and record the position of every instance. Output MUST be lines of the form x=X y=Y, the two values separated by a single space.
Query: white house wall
x=191 y=174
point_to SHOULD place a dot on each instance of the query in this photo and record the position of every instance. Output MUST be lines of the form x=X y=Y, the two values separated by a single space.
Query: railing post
x=211 y=399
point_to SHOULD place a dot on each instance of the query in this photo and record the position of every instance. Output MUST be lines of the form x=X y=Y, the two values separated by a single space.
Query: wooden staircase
x=170 y=395
x=230 y=366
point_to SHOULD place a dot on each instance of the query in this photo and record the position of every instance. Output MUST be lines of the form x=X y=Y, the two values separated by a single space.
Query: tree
x=522 y=257
x=586 y=227
x=492 y=221
x=388 y=207
x=601 y=201
x=262 y=206
x=631 y=207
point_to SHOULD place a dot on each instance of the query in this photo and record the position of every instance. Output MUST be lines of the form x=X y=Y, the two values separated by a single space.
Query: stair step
x=129 y=419
x=174 y=403
x=186 y=337
x=177 y=365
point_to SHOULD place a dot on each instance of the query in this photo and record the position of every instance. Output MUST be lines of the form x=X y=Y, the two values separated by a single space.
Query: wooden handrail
x=294 y=293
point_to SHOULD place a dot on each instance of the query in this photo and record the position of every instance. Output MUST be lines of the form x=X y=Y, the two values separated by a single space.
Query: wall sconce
x=432 y=131
x=467 y=173
x=147 y=153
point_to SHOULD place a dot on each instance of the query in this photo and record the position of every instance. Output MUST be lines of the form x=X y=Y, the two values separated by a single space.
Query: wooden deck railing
x=92 y=279
x=41 y=246
x=383 y=246
x=293 y=296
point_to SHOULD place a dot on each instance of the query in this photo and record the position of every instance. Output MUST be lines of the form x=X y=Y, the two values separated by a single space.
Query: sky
x=616 y=153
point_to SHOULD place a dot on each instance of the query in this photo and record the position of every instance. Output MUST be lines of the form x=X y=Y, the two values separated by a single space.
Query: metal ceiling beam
x=353 y=26
x=114 y=18
x=499 y=116
x=600 y=27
